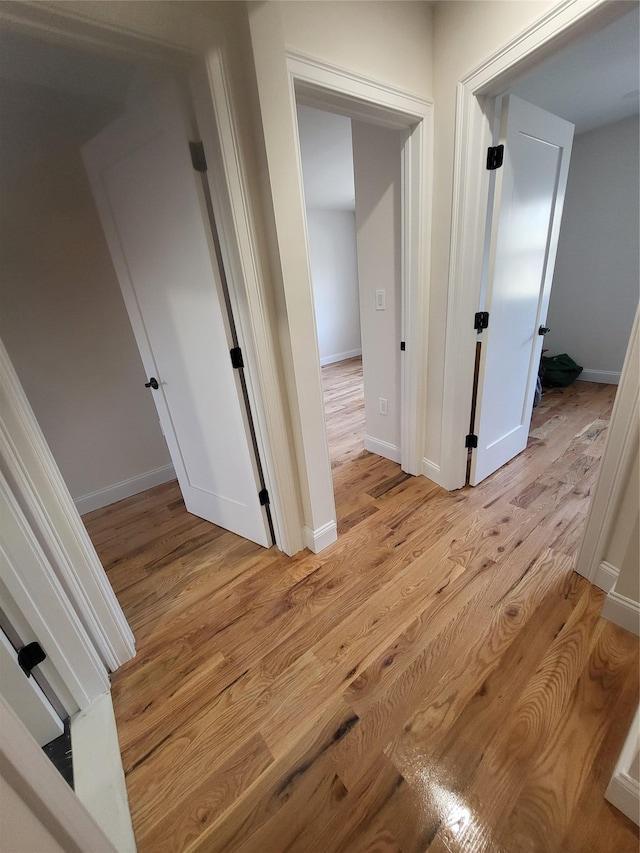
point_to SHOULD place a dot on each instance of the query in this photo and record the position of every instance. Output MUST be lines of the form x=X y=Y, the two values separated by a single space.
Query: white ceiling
x=587 y=82
x=327 y=160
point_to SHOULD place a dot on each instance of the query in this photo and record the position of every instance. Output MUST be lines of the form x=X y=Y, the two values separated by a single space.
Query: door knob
x=152 y=383
x=543 y=330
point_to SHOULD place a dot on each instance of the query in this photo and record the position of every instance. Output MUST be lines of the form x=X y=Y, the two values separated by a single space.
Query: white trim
x=94 y=743
x=124 y=489
x=229 y=189
x=26 y=697
x=474 y=95
x=320 y=84
x=431 y=471
x=44 y=498
x=623 y=790
x=341 y=356
x=324 y=85
x=417 y=192
x=34 y=586
x=620 y=448
x=318 y=540
x=382 y=448
x=606 y=576
x=623 y=611
x=43 y=790
x=607 y=377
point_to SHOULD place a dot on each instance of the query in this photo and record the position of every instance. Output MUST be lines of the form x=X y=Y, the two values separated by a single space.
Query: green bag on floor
x=558 y=371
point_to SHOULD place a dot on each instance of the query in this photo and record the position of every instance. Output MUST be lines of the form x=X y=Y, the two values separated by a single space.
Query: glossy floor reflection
x=439 y=679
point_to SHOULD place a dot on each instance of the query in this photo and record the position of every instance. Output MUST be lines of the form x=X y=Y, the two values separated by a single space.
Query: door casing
x=475 y=98
x=327 y=87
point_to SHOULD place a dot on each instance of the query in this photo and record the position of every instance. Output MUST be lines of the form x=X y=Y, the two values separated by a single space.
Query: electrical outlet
x=381 y=303
x=382 y=406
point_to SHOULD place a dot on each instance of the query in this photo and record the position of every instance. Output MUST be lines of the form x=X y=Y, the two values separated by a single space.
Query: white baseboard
x=432 y=472
x=97 y=772
x=118 y=491
x=341 y=356
x=623 y=611
x=623 y=790
x=608 y=377
x=382 y=448
x=606 y=576
x=319 y=539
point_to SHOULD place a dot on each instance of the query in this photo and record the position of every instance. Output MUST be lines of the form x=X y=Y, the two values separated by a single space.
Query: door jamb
x=473 y=134
x=34 y=779
x=326 y=86
x=615 y=469
x=43 y=497
x=215 y=115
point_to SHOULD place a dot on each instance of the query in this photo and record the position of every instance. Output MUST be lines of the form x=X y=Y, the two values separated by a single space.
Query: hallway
x=437 y=679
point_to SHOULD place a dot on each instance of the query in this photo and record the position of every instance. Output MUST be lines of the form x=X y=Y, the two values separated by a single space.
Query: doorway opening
x=352 y=186
x=64 y=316
x=594 y=46
x=393 y=129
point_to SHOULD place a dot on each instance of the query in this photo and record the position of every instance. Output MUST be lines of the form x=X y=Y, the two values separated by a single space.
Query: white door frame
x=615 y=469
x=35 y=587
x=43 y=500
x=34 y=779
x=319 y=84
x=229 y=186
x=473 y=135
x=26 y=697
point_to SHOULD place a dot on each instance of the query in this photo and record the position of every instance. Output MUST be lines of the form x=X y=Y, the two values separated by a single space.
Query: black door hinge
x=236 y=357
x=263 y=497
x=197 y=156
x=471 y=440
x=29 y=656
x=495 y=157
x=481 y=321
x=403 y=346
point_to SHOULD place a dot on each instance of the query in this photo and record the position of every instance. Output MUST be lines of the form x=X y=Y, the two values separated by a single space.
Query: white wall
x=388 y=41
x=377 y=170
x=327 y=159
x=334 y=274
x=595 y=285
x=329 y=194
x=66 y=329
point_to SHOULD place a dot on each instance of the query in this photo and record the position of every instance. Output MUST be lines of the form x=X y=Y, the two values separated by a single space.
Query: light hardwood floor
x=439 y=679
x=343 y=387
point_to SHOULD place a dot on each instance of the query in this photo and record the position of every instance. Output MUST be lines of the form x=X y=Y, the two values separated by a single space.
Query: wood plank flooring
x=439 y=679
x=343 y=386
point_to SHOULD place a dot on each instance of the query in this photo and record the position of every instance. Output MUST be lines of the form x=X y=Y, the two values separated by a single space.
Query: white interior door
x=528 y=201
x=150 y=202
